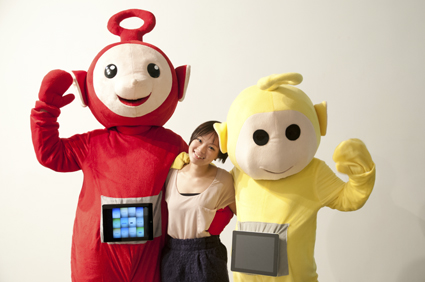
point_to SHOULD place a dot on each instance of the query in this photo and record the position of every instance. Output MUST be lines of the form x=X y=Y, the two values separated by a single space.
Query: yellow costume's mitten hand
x=353 y=158
x=181 y=160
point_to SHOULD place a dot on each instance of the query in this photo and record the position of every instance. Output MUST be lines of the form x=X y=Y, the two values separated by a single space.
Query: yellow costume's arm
x=180 y=161
x=352 y=158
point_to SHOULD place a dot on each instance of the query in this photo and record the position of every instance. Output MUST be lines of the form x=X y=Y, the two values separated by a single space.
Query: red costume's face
x=131 y=84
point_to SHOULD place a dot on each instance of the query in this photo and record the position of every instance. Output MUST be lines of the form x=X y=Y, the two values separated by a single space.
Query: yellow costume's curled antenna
x=273 y=81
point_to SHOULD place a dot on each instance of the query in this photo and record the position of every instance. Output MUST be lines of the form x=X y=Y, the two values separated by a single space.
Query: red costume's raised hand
x=53 y=87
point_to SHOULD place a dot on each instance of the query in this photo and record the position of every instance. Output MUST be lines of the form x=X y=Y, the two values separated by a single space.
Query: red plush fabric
x=120 y=162
x=131 y=34
x=54 y=84
x=221 y=219
x=130 y=158
x=115 y=165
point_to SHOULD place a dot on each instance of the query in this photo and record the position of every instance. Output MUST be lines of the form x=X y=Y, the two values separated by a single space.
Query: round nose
x=137 y=79
x=133 y=87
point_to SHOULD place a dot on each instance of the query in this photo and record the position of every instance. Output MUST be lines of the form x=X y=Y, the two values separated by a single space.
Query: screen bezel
x=273 y=236
x=108 y=228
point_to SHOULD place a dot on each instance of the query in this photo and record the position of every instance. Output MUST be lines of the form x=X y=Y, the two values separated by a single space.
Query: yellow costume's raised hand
x=353 y=158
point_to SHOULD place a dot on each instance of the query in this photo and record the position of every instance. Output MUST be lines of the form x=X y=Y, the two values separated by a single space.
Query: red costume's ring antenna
x=131 y=34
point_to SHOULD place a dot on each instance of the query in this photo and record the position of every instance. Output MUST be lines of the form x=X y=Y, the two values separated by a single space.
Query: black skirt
x=200 y=260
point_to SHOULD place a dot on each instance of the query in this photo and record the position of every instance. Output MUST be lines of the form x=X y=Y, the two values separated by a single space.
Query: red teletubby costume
x=132 y=89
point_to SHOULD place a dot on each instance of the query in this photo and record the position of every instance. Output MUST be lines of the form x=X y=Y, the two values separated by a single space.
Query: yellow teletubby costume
x=271 y=134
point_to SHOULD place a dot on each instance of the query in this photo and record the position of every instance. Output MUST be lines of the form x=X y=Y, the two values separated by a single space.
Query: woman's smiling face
x=204 y=149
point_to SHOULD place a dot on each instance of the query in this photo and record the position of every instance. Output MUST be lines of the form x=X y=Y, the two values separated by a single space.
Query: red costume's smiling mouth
x=134 y=103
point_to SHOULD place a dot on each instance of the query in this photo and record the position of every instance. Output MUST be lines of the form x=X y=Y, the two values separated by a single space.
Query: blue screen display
x=128 y=222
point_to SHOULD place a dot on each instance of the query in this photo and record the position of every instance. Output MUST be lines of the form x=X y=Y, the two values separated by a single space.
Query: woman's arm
x=232 y=207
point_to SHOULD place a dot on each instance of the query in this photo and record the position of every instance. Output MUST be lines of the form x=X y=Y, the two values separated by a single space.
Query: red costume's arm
x=183 y=146
x=59 y=154
x=221 y=219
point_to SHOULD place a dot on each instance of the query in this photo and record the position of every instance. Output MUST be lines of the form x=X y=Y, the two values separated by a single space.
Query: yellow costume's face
x=275 y=145
x=273 y=129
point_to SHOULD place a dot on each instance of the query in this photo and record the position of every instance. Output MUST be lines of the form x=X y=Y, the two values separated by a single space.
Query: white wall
x=366 y=58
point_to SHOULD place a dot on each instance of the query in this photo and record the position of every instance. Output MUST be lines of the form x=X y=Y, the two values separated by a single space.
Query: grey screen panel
x=255 y=253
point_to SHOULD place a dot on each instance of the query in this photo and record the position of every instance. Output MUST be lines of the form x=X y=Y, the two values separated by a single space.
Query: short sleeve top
x=190 y=216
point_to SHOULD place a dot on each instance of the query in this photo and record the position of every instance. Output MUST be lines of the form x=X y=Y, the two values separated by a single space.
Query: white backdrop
x=366 y=58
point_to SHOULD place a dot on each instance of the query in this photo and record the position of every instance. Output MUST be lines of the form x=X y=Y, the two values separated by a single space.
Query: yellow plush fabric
x=255 y=100
x=181 y=160
x=295 y=198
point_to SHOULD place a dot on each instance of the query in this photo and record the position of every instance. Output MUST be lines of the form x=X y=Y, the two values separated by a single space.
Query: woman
x=194 y=191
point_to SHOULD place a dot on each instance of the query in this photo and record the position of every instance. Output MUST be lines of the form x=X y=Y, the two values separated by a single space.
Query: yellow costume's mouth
x=269 y=171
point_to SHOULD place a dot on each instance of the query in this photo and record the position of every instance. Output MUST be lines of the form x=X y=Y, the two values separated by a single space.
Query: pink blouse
x=190 y=216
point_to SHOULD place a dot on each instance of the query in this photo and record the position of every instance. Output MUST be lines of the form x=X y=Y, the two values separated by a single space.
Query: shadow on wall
x=385 y=242
x=422 y=222
x=414 y=271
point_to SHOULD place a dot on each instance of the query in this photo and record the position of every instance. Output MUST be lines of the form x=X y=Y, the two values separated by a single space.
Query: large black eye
x=260 y=137
x=153 y=70
x=293 y=132
x=111 y=71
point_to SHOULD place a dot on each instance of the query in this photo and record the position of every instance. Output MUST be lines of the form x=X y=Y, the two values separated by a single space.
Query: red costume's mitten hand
x=221 y=219
x=54 y=85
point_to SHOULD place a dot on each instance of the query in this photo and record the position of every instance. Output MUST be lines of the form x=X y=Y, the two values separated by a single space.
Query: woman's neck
x=196 y=171
x=195 y=179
